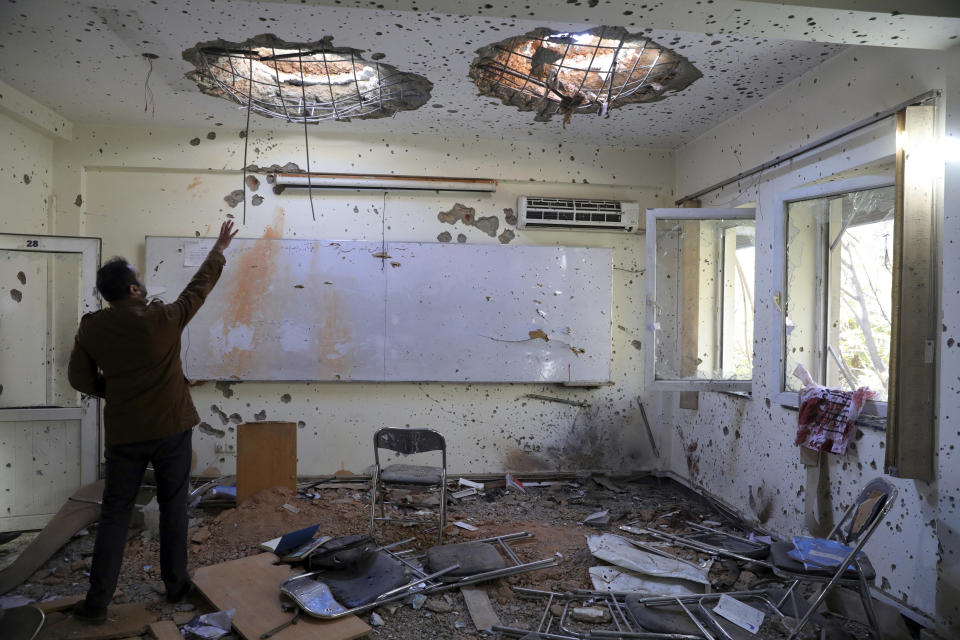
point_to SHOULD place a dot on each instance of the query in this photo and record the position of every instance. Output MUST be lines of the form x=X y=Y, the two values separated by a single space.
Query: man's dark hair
x=114 y=279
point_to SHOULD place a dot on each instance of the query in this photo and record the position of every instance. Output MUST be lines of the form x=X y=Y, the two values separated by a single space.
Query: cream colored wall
x=26 y=177
x=134 y=183
x=742 y=449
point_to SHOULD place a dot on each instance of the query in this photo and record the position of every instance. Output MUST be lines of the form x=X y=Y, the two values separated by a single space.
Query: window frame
x=782 y=396
x=688 y=214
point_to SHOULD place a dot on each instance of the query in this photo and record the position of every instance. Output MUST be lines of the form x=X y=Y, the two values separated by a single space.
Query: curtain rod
x=866 y=122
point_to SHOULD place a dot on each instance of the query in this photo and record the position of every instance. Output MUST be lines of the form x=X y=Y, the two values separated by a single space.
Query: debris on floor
x=668 y=547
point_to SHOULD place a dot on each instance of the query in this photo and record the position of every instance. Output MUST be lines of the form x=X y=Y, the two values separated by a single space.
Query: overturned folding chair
x=854 y=570
x=634 y=616
x=390 y=575
x=713 y=542
x=408 y=442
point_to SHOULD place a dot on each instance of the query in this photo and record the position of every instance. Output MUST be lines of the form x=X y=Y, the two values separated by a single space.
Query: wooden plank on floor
x=165 y=630
x=71 y=517
x=123 y=621
x=266 y=457
x=251 y=585
x=481 y=611
x=60 y=604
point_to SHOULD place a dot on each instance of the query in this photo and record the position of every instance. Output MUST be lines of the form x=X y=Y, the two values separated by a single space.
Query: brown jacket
x=129 y=354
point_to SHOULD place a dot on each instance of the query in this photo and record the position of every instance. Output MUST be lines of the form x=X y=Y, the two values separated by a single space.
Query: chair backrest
x=875 y=499
x=409 y=441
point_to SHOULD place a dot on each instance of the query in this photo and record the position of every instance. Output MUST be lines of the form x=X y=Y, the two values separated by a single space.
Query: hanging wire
x=306 y=138
x=277 y=99
x=147 y=91
x=246 y=144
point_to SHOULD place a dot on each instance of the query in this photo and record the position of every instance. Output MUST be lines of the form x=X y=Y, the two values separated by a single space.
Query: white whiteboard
x=322 y=310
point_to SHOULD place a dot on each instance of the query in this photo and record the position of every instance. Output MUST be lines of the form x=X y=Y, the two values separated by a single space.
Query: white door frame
x=88 y=413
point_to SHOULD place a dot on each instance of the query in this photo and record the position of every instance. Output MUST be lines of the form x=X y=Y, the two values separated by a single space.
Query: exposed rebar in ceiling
x=304 y=82
x=565 y=73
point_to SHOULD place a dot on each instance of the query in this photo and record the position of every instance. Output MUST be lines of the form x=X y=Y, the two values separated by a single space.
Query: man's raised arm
x=196 y=291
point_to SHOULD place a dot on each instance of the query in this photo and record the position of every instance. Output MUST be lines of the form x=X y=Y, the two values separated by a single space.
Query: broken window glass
x=839 y=277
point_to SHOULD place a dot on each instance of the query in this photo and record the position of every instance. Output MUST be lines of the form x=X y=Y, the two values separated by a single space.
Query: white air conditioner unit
x=577 y=214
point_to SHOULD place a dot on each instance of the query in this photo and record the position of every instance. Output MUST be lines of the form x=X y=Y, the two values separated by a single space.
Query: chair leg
x=868 y=604
x=373 y=505
x=443 y=512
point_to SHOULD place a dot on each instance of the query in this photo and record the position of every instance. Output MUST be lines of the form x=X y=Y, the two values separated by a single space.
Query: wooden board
x=123 y=621
x=71 y=517
x=51 y=606
x=266 y=457
x=251 y=585
x=165 y=630
x=481 y=611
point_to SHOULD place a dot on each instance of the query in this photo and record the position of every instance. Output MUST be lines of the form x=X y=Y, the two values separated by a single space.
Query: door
x=49 y=433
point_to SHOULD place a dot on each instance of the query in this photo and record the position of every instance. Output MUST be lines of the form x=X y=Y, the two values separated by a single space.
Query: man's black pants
x=171 y=458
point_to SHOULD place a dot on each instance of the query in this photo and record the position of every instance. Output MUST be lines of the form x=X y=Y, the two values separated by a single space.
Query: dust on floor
x=552 y=513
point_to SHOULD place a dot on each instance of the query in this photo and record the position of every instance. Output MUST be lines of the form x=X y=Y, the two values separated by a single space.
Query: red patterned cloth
x=827 y=417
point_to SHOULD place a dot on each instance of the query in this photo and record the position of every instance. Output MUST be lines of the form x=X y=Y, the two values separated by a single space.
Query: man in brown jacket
x=129 y=354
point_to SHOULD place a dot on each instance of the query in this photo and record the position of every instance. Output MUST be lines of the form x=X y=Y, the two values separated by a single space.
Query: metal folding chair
x=396 y=575
x=854 y=529
x=408 y=442
x=638 y=617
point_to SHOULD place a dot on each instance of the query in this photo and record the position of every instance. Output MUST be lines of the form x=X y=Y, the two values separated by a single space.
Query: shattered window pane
x=703 y=322
x=839 y=289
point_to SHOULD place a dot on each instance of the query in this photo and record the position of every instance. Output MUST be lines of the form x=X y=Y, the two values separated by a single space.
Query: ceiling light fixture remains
x=566 y=73
x=304 y=82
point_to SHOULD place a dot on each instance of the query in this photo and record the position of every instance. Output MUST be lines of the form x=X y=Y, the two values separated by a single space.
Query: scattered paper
x=289 y=507
x=463 y=482
x=12 y=602
x=210 y=626
x=464 y=525
x=614 y=579
x=597 y=519
x=740 y=614
x=619 y=551
x=513 y=482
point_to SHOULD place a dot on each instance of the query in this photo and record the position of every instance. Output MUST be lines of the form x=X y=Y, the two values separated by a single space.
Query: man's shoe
x=84 y=612
x=177 y=595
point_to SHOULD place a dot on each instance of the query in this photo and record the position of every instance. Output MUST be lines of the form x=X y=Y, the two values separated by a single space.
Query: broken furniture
x=853 y=570
x=266 y=457
x=20 y=623
x=80 y=510
x=219 y=492
x=711 y=541
x=628 y=616
x=388 y=575
x=407 y=442
x=250 y=585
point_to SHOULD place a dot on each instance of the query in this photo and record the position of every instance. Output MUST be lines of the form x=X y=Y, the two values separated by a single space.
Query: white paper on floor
x=614 y=579
x=618 y=550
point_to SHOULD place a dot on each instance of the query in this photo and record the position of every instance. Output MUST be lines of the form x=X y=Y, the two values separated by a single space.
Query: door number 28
x=33 y=243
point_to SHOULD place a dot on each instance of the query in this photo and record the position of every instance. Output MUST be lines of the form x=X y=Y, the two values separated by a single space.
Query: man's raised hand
x=227 y=232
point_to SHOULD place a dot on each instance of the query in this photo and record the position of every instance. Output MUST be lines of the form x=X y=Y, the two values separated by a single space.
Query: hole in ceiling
x=312 y=81
x=554 y=73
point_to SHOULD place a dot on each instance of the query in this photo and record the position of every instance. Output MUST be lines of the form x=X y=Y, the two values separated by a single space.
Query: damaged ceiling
x=312 y=81
x=91 y=63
